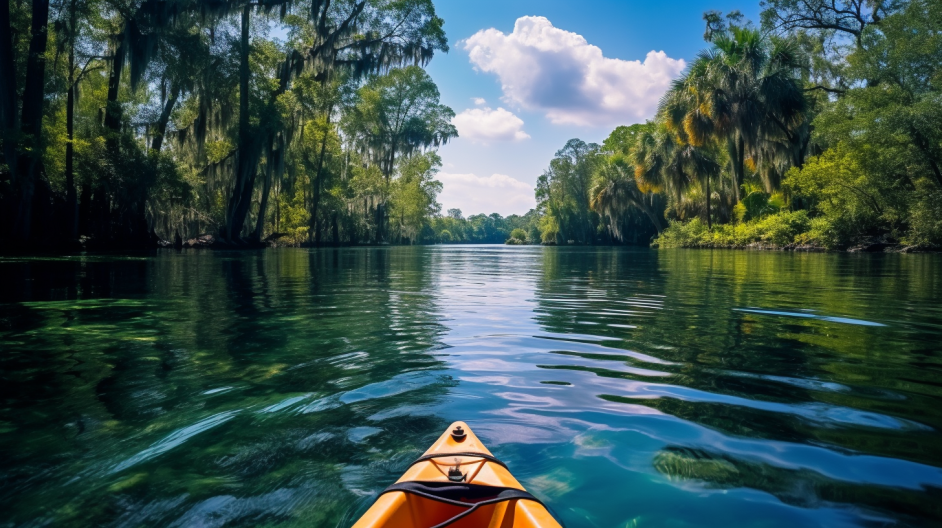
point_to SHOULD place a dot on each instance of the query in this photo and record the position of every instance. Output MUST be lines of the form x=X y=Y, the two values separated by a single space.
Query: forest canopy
x=820 y=127
x=139 y=123
x=126 y=123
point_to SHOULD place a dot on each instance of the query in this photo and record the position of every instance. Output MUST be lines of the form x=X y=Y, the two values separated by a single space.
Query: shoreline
x=863 y=248
x=795 y=248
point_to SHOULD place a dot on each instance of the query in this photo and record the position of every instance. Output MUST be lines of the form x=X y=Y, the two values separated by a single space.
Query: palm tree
x=615 y=192
x=666 y=160
x=744 y=94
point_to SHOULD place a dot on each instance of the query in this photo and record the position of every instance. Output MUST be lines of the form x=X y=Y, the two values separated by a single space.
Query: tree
x=848 y=17
x=190 y=119
x=744 y=93
x=413 y=195
x=880 y=172
x=25 y=174
x=615 y=193
x=664 y=161
x=398 y=114
x=563 y=191
x=357 y=37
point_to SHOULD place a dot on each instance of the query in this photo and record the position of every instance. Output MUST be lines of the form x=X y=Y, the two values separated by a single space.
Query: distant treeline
x=820 y=127
x=483 y=229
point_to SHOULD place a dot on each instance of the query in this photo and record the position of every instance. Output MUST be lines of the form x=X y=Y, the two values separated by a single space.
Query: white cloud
x=478 y=101
x=483 y=124
x=497 y=193
x=558 y=72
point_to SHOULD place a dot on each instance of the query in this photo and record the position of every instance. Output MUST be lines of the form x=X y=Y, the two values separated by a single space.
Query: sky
x=524 y=77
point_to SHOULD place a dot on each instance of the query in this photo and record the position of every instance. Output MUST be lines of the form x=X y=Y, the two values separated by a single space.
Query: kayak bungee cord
x=436 y=493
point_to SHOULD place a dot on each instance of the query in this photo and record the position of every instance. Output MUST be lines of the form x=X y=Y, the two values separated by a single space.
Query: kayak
x=457 y=483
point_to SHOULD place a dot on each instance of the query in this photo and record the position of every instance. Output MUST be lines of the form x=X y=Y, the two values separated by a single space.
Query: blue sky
x=526 y=76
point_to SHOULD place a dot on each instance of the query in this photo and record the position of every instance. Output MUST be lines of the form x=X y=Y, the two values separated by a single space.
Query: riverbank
x=783 y=231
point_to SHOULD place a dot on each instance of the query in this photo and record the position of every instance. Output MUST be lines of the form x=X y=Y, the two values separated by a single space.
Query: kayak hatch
x=459 y=484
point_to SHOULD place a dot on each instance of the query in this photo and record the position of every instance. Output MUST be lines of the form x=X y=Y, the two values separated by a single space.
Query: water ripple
x=289 y=387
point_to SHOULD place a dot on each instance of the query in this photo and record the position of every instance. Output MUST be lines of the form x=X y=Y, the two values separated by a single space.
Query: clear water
x=623 y=387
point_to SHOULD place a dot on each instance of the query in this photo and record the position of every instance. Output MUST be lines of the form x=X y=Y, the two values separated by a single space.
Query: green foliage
x=834 y=117
x=624 y=138
x=485 y=229
x=858 y=151
x=757 y=204
x=179 y=136
x=398 y=114
x=517 y=236
x=630 y=210
x=839 y=185
x=413 y=195
x=775 y=231
x=549 y=230
x=295 y=218
x=563 y=192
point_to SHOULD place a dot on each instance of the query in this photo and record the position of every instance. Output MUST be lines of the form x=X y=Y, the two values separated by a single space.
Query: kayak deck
x=476 y=476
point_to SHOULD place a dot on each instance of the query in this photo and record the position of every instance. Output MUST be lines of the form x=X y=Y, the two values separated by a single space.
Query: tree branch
x=826 y=89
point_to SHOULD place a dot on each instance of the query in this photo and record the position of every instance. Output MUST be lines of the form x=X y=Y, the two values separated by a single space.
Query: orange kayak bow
x=459 y=484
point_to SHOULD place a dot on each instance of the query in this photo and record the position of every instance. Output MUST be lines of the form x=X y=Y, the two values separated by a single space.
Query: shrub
x=821 y=233
x=775 y=230
x=549 y=230
x=781 y=229
x=678 y=234
x=517 y=236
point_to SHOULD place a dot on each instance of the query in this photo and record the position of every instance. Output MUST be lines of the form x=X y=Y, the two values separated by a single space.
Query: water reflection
x=212 y=389
x=289 y=387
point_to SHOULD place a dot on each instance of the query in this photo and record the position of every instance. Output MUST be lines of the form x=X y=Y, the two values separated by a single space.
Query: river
x=622 y=387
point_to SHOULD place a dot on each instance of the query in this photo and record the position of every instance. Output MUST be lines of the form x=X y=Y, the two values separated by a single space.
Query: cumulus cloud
x=479 y=100
x=483 y=124
x=544 y=68
x=497 y=193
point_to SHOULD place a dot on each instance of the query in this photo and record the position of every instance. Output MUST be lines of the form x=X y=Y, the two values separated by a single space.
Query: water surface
x=623 y=387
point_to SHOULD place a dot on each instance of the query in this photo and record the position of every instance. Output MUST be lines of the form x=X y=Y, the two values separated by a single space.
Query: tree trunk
x=30 y=162
x=7 y=88
x=71 y=198
x=248 y=158
x=71 y=202
x=336 y=230
x=708 y=208
x=316 y=195
x=740 y=166
x=112 y=107
x=312 y=207
x=382 y=221
x=165 y=118
x=266 y=189
x=653 y=216
x=84 y=209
